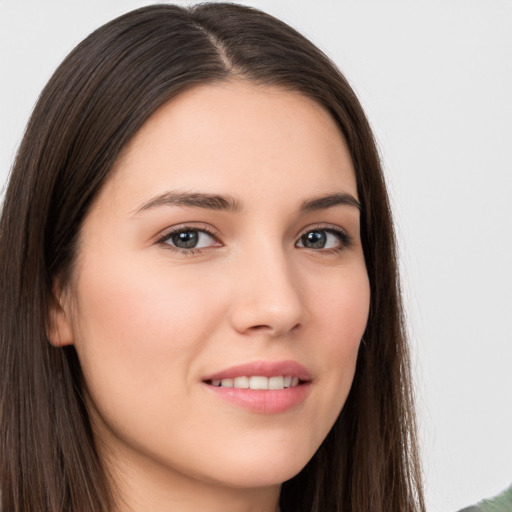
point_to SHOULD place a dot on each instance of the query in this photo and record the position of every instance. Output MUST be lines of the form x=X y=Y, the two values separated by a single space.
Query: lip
x=263 y=368
x=271 y=401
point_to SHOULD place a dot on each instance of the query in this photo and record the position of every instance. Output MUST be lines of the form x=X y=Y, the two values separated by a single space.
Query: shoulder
x=501 y=503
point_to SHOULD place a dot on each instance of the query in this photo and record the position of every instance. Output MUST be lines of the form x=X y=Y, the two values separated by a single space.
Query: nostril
x=273 y=330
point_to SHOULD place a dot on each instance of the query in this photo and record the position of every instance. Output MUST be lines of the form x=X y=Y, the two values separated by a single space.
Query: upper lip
x=264 y=369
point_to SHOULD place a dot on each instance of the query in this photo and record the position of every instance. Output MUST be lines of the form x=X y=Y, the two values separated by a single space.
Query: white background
x=435 y=77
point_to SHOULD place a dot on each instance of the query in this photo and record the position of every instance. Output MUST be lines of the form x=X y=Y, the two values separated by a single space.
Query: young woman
x=200 y=301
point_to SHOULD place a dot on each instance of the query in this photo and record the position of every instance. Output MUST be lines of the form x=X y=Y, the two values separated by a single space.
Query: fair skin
x=267 y=277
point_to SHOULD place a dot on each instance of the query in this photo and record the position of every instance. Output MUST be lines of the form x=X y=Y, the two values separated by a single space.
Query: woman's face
x=223 y=251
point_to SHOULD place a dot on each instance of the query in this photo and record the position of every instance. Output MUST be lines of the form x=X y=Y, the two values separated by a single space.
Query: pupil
x=185 y=239
x=314 y=239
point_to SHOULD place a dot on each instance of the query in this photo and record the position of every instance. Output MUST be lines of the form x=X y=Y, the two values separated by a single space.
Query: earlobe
x=59 y=329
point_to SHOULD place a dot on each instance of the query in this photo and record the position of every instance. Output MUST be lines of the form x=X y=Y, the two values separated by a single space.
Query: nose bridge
x=268 y=294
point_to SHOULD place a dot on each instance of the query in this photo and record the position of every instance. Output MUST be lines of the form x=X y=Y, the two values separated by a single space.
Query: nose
x=269 y=299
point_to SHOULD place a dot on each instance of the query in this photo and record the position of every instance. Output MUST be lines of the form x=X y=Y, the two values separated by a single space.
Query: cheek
x=129 y=298
x=342 y=313
x=342 y=310
x=139 y=325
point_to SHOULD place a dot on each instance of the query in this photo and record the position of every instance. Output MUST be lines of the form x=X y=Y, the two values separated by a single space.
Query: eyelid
x=186 y=226
x=345 y=238
x=323 y=227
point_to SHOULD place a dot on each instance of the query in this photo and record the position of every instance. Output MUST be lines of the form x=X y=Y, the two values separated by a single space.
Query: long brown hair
x=95 y=102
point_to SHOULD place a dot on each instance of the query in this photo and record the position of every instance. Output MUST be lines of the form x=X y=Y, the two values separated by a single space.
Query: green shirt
x=501 y=503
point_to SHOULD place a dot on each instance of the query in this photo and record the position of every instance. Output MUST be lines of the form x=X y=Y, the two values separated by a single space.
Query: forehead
x=229 y=134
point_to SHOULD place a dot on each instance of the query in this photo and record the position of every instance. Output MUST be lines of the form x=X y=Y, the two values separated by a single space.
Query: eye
x=324 y=239
x=189 y=239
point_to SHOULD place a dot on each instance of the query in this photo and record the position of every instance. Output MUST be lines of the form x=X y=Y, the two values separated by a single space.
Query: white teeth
x=276 y=383
x=258 y=382
x=241 y=382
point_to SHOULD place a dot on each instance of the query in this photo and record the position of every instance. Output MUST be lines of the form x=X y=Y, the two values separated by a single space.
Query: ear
x=59 y=330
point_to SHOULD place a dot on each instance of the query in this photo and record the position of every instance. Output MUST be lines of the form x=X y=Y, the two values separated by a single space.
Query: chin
x=255 y=476
x=263 y=468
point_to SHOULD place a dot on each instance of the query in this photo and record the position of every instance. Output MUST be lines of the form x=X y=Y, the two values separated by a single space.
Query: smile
x=257 y=382
x=264 y=387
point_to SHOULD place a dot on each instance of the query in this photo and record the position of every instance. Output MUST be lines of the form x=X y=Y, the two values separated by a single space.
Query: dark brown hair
x=93 y=105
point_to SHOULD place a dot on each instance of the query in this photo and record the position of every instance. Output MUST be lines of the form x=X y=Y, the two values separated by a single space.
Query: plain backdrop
x=435 y=78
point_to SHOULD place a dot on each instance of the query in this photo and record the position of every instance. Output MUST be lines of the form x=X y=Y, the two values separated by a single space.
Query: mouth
x=257 y=382
x=262 y=387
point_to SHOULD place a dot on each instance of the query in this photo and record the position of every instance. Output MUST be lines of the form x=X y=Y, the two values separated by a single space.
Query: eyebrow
x=193 y=200
x=330 y=200
x=228 y=203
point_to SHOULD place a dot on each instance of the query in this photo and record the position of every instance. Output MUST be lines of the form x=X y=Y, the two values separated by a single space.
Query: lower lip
x=271 y=401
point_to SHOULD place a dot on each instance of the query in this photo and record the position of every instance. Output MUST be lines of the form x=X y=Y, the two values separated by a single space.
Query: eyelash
x=185 y=229
x=344 y=238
